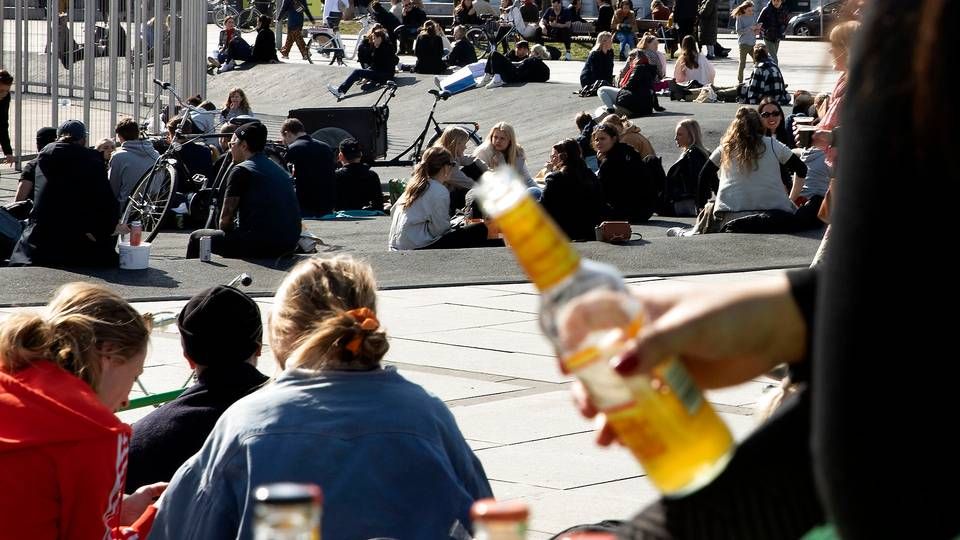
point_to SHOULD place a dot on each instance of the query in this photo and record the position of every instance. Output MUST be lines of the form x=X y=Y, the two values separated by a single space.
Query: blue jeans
x=358 y=74
x=627 y=42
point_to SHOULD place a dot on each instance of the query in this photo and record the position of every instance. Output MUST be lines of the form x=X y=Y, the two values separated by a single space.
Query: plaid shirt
x=765 y=81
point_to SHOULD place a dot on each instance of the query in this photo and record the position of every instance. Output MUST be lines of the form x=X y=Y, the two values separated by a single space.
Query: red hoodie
x=63 y=457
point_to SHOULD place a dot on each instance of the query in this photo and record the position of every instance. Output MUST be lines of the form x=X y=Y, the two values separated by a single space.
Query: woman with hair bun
x=388 y=455
x=63 y=452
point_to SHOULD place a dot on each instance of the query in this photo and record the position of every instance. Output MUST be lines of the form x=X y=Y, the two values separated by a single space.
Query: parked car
x=808 y=24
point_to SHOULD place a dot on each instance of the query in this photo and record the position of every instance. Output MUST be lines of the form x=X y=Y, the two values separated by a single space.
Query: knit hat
x=72 y=128
x=220 y=326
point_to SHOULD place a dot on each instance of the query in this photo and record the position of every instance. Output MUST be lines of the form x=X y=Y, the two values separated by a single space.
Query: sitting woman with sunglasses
x=749 y=194
x=772 y=119
x=421 y=217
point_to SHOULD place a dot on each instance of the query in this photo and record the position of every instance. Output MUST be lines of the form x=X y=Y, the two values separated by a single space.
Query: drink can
x=205 y=245
x=136 y=233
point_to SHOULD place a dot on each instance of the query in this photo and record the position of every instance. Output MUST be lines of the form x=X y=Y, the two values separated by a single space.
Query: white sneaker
x=497 y=82
x=568 y=56
x=485 y=80
x=336 y=92
x=229 y=66
x=679 y=231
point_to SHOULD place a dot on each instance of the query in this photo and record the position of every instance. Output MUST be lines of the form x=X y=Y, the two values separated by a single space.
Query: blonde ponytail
x=80 y=317
x=315 y=322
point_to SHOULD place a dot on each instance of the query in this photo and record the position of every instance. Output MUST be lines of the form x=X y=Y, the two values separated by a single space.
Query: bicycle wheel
x=150 y=200
x=324 y=43
x=247 y=20
x=221 y=12
x=480 y=41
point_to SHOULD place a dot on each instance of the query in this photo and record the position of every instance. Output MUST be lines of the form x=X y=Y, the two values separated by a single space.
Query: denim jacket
x=388 y=456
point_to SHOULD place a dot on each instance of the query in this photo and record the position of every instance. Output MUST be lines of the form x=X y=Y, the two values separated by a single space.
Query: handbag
x=613 y=231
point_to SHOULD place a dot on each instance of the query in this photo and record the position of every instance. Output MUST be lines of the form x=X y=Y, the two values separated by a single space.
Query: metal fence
x=96 y=62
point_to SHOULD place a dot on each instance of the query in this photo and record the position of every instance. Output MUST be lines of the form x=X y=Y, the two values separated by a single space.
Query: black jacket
x=429 y=53
x=358 y=188
x=388 y=20
x=532 y=69
x=574 y=201
x=5 y=126
x=265 y=47
x=164 y=439
x=414 y=18
x=462 y=54
x=384 y=60
x=637 y=95
x=598 y=67
x=628 y=190
x=76 y=200
x=683 y=179
x=313 y=175
x=604 y=16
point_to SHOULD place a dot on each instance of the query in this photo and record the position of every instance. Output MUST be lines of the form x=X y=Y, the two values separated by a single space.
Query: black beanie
x=220 y=326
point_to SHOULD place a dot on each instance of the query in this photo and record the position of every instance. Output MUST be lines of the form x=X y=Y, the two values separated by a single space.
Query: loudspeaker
x=368 y=125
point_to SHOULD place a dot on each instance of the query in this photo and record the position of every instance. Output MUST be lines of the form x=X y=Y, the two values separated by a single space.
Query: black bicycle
x=150 y=201
x=415 y=150
x=484 y=36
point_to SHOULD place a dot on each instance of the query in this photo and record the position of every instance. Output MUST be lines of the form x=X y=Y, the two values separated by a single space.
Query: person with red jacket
x=63 y=452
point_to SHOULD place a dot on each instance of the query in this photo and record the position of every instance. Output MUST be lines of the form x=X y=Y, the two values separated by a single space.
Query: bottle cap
x=493 y=510
x=285 y=493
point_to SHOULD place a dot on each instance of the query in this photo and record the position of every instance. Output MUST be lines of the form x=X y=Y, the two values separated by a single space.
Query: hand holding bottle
x=724 y=336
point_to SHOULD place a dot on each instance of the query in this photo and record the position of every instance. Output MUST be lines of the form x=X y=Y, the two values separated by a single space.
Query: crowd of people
x=389 y=456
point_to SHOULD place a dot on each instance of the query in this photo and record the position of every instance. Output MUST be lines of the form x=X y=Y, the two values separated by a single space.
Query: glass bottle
x=287 y=511
x=662 y=418
x=500 y=520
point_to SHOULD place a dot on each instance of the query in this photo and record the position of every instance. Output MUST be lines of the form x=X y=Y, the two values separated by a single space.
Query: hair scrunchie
x=368 y=321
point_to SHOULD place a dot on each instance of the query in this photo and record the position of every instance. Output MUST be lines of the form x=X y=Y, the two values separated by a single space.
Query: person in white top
x=749 y=182
x=421 y=217
x=692 y=65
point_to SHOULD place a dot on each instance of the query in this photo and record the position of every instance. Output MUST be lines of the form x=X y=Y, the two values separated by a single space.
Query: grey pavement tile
x=165 y=378
x=449 y=388
x=489 y=338
x=433 y=319
x=505 y=491
x=743 y=395
x=523 y=327
x=527 y=288
x=562 y=462
x=435 y=295
x=527 y=303
x=555 y=511
x=740 y=425
x=731 y=277
x=480 y=445
x=506 y=364
x=524 y=418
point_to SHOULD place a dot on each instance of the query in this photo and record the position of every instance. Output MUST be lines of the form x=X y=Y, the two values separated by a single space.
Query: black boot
x=656 y=104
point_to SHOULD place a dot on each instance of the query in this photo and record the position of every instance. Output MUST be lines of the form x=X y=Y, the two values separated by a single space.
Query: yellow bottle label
x=541 y=248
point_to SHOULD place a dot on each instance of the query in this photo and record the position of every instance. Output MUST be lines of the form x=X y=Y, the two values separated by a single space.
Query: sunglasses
x=769 y=114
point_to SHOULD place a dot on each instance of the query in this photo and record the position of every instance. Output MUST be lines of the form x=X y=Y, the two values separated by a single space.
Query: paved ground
x=480 y=350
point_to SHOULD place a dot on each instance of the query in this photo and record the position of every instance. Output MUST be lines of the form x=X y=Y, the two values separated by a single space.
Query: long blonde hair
x=742 y=143
x=80 y=318
x=513 y=152
x=434 y=159
x=601 y=37
x=311 y=325
x=454 y=140
x=692 y=128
